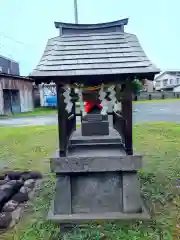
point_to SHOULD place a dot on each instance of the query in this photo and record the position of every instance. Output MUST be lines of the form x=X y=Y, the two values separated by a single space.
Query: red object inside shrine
x=90 y=105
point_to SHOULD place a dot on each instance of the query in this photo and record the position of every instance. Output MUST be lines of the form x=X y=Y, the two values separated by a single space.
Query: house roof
x=165 y=72
x=9 y=59
x=98 y=49
x=16 y=77
x=176 y=86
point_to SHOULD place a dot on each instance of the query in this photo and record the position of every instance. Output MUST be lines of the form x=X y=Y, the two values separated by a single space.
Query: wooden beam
x=127 y=115
x=62 y=121
x=86 y=79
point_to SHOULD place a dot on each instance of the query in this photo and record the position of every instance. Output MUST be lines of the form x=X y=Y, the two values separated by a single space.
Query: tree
x=137 y=86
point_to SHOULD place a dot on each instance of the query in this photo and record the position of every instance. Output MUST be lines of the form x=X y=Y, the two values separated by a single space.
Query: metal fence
x=156 y=95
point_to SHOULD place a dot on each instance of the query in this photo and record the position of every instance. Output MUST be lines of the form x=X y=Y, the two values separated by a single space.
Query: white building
x=177 y=89
x=148 y=85
x=167 y=80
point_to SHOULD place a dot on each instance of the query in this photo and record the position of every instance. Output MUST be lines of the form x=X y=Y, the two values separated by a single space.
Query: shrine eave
x=121 y=22
x=106 y=78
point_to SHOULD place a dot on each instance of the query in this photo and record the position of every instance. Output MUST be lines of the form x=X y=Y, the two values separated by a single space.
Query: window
x=1 y=69
x=165 y=82
x=178 y=80
x=170 y=81
x=158 y=84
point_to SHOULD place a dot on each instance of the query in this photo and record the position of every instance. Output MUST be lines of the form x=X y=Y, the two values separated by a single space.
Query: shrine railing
x=119 y=123
x=71 y=124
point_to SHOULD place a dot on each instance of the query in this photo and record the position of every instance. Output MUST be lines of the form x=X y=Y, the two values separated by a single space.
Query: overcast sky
x=26 y=25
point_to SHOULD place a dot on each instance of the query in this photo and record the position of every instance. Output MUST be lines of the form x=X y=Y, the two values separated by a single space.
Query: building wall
x=167 y=80
x=176 y=89
x=8 y=66
x=41 y=91
x=25 y=90
x=26 y=99
x=149 y=85
x=1 y=102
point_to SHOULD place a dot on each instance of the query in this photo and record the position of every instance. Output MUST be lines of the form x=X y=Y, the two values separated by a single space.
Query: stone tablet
x=94 y=124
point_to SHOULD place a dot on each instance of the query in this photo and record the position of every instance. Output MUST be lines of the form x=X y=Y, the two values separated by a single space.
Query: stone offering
x=3 y=181
x=30 y=183
x=24 y=189
x=14 y=191
x=14 y=175
x=5 y=220
x=31 y=175
x=10 y=206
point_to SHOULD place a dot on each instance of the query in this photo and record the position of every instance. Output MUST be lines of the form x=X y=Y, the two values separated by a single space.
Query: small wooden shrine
x=95 y=165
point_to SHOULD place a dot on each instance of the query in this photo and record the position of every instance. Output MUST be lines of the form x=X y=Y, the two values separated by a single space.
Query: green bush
x=137 y=86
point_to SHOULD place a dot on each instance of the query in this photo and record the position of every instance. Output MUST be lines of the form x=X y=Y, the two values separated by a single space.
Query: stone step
x=107 y=139
x=89 y=141
x=96 y=143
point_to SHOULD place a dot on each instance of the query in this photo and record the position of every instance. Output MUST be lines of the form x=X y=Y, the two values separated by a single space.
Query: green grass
x=41 y=111
x=31 y=147
x=37 y=112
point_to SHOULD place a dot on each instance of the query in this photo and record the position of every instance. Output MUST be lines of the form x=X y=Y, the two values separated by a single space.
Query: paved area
x=157 y=112
x=28 y=121
x=142 y=112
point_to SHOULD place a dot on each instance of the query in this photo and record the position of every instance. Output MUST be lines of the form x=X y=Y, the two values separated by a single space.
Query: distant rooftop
x=1 y=56
x=167 y=71
x=4 y=75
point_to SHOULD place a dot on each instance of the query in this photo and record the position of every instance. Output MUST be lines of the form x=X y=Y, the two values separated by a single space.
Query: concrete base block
x=62 y=202
x=94 y=128
x=96 y=217
x=131 y=193
x=96 y=182
x=82 y=197
x=96 y=193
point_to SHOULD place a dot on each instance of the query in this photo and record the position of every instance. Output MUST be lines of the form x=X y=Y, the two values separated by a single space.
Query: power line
x=12 y=39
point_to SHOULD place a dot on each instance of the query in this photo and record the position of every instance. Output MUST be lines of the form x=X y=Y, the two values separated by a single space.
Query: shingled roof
x=98 y=49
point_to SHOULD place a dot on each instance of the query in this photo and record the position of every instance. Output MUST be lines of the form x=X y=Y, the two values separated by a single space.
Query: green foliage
x=136 y=86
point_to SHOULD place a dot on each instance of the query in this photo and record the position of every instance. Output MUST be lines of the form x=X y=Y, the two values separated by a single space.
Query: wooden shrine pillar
x=62 y=121
x=127 y=115
x=73 y=108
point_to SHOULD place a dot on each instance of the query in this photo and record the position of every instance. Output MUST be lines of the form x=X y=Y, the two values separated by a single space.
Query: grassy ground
x=41 y=111
x=30 y=148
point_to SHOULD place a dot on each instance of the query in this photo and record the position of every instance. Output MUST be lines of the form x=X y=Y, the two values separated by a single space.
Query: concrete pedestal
x=96 y=182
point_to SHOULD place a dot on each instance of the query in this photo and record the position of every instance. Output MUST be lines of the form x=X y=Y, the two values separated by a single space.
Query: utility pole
x=76 y=11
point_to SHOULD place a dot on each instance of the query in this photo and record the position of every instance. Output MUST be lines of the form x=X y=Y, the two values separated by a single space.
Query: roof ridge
x=92 y=26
